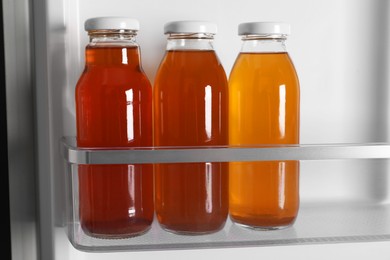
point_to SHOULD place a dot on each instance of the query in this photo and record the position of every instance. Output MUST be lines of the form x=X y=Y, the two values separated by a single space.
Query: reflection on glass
x=124 y=55
x=282 y=110
x=129 y=114
x=207 y=110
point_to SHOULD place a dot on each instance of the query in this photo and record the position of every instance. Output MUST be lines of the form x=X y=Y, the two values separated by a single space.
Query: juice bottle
x=191 y=109
x=114 y=110
x=263 y=109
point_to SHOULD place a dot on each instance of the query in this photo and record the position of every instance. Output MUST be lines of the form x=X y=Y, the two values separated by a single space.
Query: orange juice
x=190 y=109
x=263 y=109
x=114 y=109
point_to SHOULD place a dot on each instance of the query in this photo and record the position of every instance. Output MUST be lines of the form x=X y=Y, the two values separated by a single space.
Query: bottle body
x=114 y=110
x=190 y=95
x=263 y=109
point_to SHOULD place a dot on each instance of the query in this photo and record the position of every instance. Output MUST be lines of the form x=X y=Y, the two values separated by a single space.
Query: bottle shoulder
x=189 y=60
x=263 y=61
x=264 y=67
x=96 y=77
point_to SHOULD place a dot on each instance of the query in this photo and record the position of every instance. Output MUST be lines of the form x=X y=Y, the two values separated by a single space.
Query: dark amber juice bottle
x=114 y=110
x=190 y=109
x=264 y=109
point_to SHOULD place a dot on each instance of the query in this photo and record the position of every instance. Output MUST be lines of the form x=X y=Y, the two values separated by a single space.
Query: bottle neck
x=263 y=44
x=105 y=38
x=112 y=47
x=195 y=41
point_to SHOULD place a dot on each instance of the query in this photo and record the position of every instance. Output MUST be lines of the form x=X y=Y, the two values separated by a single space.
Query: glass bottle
x=264 y=109
x=191 y=109
x=114 y=110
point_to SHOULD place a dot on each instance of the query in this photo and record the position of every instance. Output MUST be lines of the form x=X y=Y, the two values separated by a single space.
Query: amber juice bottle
x=114 y=110
x=190 y=109
x=264 y=109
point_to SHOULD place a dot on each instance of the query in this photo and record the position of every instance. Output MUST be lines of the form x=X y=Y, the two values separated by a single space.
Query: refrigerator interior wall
x=340 y=50
x=342 y=64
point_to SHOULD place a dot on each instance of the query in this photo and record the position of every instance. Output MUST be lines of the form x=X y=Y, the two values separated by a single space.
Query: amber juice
x=264 y=109
x=114 y=110
x=190 y=105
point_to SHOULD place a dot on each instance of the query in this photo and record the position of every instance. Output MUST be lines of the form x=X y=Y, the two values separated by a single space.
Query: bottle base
x=118 y=236
x=115 y=233
x=189 y=232
x=263 y=228
x=264 y=224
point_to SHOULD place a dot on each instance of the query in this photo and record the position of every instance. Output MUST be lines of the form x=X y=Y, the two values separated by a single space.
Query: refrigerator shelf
x=358 y=212
x=72 y=154
x=319 y=224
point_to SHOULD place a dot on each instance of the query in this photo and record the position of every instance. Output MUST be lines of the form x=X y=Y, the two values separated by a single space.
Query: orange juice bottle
x=263 y=109
x=191 y=109
x=114 y=109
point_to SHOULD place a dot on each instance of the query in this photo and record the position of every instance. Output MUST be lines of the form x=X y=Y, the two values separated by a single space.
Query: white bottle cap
x=264 y=28
x=111 y=23
x=190 y=27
